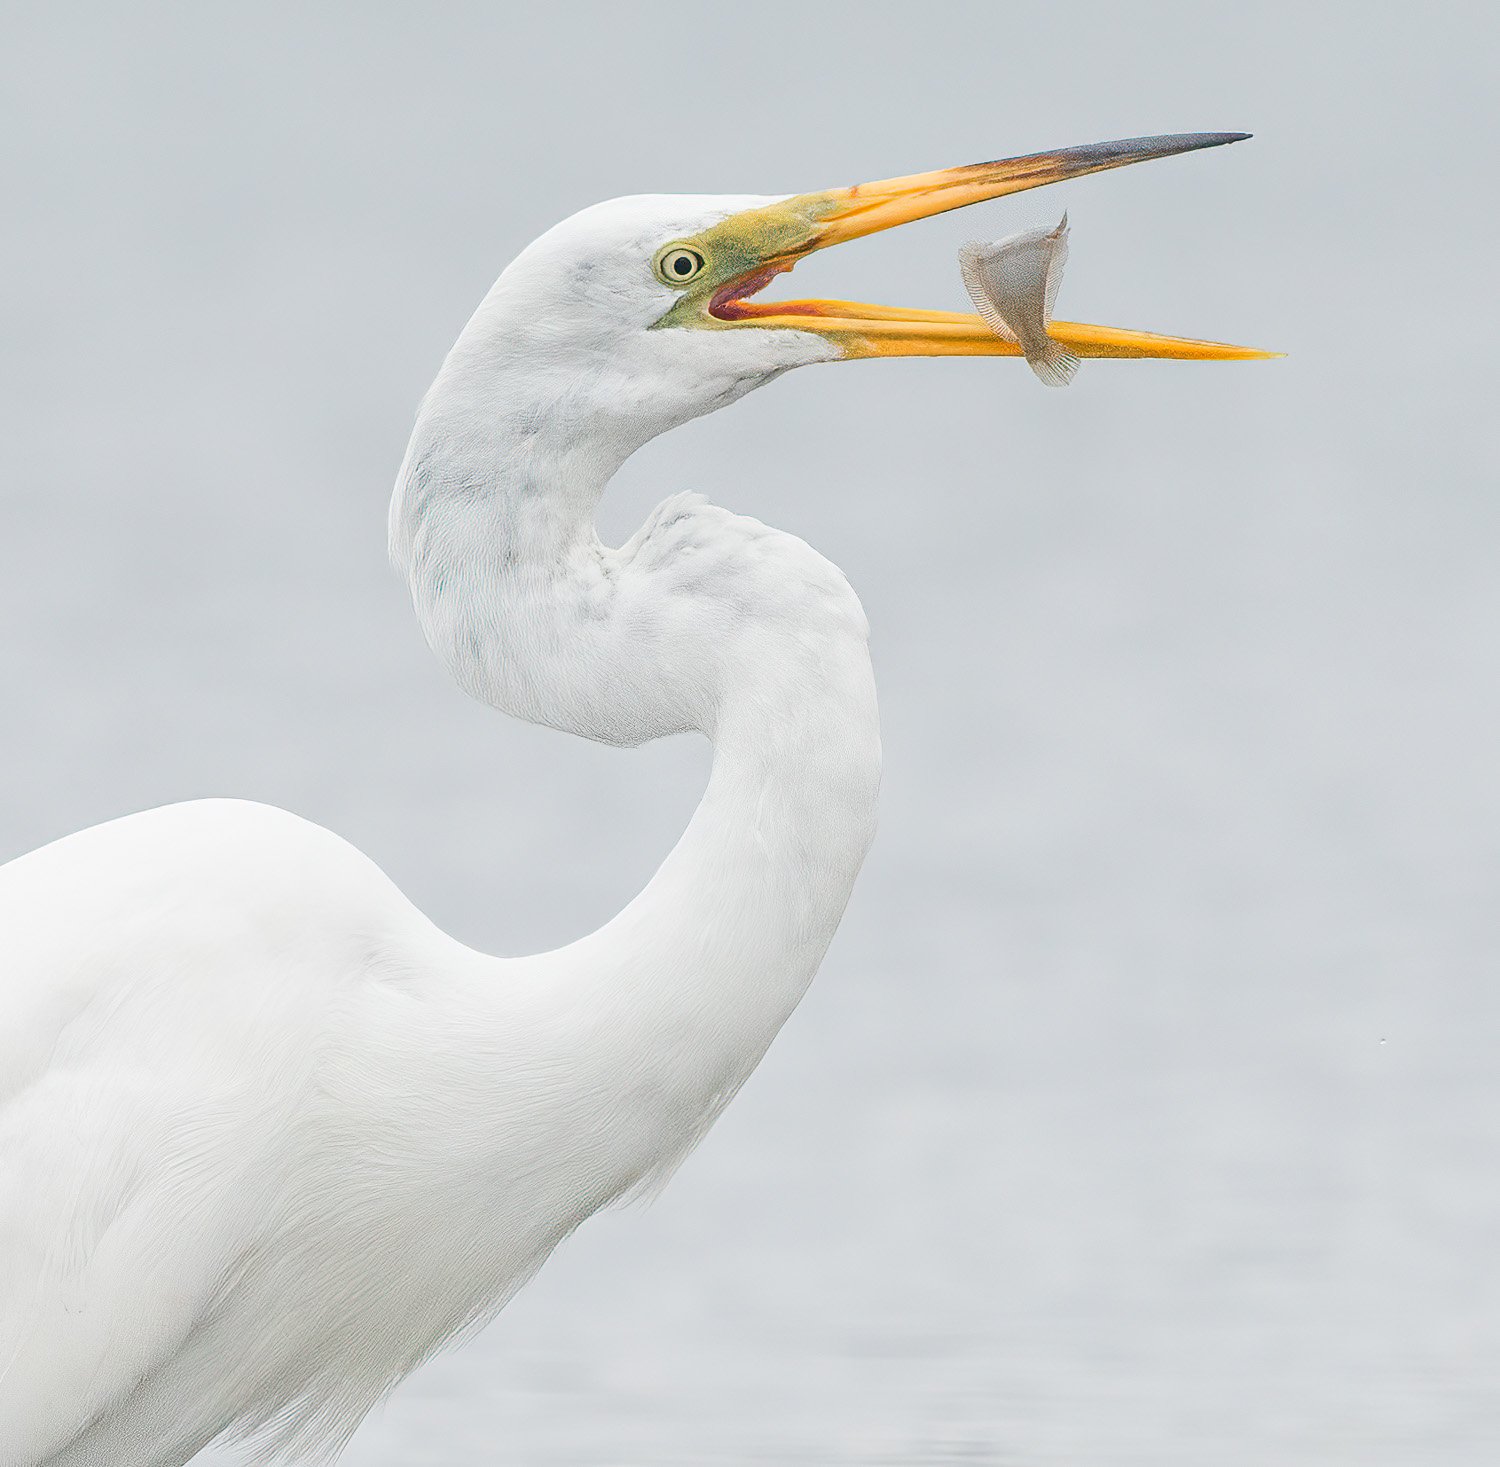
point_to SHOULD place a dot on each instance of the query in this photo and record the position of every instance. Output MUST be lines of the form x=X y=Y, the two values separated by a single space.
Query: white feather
x=267 y=1137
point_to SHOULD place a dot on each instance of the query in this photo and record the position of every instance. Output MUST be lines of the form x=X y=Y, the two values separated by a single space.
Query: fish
x=1013 y=283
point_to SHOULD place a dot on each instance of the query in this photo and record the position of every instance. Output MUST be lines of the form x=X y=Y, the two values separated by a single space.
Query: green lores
x=744 y=245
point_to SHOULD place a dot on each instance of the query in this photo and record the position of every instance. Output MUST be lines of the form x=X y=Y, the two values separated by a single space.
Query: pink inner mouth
x=729 y=300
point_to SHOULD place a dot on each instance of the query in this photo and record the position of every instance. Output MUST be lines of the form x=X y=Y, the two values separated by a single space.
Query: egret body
x=268 y=1138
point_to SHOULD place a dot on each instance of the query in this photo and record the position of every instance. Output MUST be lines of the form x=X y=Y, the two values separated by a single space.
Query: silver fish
x=1013 y=283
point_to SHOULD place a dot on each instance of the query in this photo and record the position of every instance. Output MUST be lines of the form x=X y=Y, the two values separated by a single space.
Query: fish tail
x=1053 y=363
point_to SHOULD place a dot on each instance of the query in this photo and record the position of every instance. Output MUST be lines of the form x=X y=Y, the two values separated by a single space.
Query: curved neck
x=708 y=962
x=703 y=620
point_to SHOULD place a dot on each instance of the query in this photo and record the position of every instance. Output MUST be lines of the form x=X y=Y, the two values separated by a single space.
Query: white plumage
x=267 y=1137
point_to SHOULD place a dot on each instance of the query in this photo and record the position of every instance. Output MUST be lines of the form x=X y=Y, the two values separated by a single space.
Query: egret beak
x=776 y=236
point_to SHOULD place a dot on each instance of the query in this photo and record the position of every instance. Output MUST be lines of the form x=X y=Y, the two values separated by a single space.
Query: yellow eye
x=679 y=264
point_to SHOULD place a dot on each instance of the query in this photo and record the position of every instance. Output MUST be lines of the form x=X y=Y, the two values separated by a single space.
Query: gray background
x=1145 y=1110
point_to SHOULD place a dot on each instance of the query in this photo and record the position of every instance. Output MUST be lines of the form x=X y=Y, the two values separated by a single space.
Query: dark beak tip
x=1168 y=145
x=1187 y=142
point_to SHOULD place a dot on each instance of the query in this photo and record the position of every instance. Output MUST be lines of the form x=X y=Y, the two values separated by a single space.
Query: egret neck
x=704 y=620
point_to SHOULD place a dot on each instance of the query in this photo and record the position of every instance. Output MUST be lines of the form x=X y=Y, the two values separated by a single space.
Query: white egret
x=268 y=1138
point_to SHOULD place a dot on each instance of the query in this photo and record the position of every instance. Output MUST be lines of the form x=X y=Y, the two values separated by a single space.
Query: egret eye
x=679 y=264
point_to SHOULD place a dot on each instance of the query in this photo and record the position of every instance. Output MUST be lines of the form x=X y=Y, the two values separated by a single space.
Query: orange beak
x=797 y=226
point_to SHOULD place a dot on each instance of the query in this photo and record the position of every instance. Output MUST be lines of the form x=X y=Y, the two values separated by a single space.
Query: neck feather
x=703 y=620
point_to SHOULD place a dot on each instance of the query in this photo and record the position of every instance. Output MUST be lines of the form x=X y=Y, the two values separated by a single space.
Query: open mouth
x=731 y=301
x=784 y=232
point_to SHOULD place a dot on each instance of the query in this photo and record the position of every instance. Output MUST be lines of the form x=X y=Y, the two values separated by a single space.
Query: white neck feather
x=703 y=620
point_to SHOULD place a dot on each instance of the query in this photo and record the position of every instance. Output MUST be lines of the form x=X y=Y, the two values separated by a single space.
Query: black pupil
x=683 y=264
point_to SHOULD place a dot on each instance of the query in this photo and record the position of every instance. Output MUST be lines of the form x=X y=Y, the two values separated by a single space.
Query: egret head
x=643 y=312
x=614 y=326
